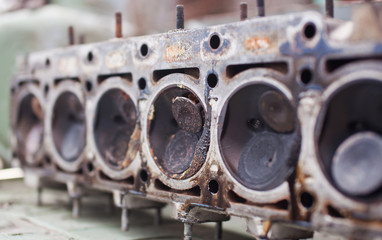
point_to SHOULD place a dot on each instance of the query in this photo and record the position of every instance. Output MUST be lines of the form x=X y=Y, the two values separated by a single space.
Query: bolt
x=76 y=207
x=243 y=11
x=260 y=8
x=218 y=230
x=82 y=39
x=71 y=35
x=158 y=217
x=329 y=9
x=125 y=219
x=179 y=16
x=118 y=25
x=39 y=196
x=187 y=231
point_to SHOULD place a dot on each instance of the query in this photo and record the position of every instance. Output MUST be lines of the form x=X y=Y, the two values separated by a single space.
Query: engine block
x=275 y=119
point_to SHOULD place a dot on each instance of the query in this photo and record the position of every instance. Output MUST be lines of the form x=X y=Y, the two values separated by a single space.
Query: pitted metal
x=300 y=61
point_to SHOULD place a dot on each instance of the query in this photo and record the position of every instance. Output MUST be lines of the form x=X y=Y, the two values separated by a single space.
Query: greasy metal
x=272 y=52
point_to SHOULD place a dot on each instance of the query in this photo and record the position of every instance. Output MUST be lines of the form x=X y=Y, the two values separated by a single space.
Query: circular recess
x=89 y=167
x=212 y=80
x=143 y=175
x=46 y=89
x=68 y=126
x=144 y=50
x=307 y=200
x=213 y=186
x=115 y=130
x=47 y=62
x=215 y=41
x=90 y=57
x=176 y=134
x=309 y=30
x=142 y=84
x=29 y=127
x=259 y=138
x=88 y=86
x=349 y=135
x=306 y=76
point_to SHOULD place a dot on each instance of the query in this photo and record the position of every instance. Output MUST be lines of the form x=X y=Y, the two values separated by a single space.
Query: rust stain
x=180 y=51
x=258 y=44
x=267 y=226
x=67 y=65
x=115 y=59
x=133 y=147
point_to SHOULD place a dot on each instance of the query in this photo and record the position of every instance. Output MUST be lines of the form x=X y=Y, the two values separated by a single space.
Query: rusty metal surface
x=237 y=119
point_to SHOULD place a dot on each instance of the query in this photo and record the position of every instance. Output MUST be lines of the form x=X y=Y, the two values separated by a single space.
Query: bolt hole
x=90 y=167
x=144 y=50
x=47 y=160
x=212 y=80
x=142 y=83
x=88 y=85
x=13 y=90
x=90 y=57
x=215 y=41
x=46 y=89
x=310 y=30
x=118 y=119
x=307 y=200
x=255 y=124
x=306 y=76
x=47 y=62
x=143 y=175
x=213 y=186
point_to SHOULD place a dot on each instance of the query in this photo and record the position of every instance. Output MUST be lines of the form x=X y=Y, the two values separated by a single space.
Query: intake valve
x=187 y=114
x=357 y=164
x=277 y=111
x=178 y=158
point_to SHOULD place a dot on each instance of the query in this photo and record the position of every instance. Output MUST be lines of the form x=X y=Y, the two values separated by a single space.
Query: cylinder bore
x=350 y=139
x=68 y=126
x=29 y=128
x=115 y=130
x=177 y=136
x=259 y=138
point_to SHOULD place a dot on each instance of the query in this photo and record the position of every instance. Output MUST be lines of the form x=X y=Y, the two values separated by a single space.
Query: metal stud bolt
x=179 y=16
x=71 y=35
x=243 y=11
x=260 y=8
x=118 y=25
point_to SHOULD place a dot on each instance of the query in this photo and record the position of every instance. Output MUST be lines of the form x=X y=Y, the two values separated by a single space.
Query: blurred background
x=33 y=25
